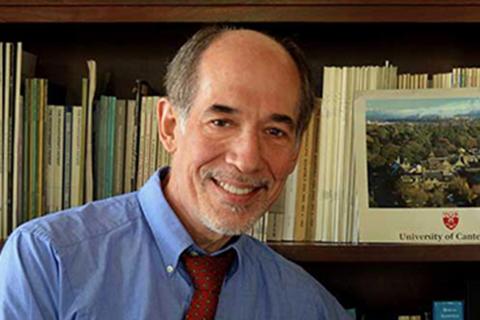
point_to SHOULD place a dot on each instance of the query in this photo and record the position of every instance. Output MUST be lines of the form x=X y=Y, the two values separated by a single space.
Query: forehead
x=249 y=68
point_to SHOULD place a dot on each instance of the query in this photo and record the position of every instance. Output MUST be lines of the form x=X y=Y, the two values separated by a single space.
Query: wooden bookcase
x=135 y=39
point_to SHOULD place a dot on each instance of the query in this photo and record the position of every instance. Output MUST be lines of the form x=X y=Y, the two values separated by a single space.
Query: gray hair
x=182 y=74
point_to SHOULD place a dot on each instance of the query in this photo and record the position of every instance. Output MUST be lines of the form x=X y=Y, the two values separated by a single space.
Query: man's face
x=238 y=143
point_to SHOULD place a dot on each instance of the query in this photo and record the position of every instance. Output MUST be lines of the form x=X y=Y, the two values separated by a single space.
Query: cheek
x=282 y=165
x=199 y=151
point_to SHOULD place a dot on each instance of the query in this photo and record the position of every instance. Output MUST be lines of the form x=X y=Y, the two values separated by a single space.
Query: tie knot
x=207 y=272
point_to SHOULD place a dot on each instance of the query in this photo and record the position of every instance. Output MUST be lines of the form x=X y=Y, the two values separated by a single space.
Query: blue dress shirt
x=119 y=258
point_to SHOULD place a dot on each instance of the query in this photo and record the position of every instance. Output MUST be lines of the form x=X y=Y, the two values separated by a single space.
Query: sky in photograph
x=378 y=109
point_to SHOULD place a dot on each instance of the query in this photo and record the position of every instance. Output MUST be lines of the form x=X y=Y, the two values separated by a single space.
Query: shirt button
x=194 y=254
x=170 y=269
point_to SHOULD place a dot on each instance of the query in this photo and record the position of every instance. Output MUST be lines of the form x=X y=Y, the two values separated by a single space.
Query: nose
x=246 y=152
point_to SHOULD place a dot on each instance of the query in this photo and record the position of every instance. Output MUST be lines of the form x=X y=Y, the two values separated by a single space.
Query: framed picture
x=417 y=161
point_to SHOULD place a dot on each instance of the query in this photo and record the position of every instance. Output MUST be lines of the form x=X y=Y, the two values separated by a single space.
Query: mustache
x=235 y=176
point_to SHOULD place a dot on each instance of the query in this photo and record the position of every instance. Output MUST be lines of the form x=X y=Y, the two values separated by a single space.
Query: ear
x=167 y=122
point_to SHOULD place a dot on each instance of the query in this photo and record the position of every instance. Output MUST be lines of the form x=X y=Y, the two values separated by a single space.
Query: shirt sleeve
x=29 y=276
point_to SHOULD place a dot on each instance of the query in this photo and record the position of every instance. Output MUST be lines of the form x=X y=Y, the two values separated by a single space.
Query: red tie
x=207 y=275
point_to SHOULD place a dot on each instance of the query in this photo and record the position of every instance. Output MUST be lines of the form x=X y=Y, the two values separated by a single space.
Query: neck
x=203 y=237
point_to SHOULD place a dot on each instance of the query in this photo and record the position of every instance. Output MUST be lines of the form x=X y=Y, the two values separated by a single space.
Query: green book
x=119 y=158
x=111 y=144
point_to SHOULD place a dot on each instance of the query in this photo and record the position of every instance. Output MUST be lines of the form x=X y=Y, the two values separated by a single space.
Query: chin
x=229 y=227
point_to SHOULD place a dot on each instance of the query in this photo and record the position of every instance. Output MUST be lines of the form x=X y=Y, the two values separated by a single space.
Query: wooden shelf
x=113 y=11
x=322 y=252
x=308 y=252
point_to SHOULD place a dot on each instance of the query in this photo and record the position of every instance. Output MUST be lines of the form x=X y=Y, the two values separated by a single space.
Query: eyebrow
x=220 y=108
x=282 y=118
x=276 y=117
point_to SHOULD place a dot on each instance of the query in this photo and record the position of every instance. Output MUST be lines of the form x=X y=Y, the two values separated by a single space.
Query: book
x=301 y=202
x=33 y=148
x=92 y=80
x=44 y=89
x=83 y=143
x=67 y=157
x=59 y=159
x=26 y=149
x=49 y=158
x=3 y=213
x=148 y=151
x=119 y=157
x=58 y=125
x=289 y=206
x=312 y=204
x=141 y=146
x=324 y=192
x=306 y=168
x=17 y=140
x=451 y=310
x=130 y=135
x=110 y=143
x=77 y=147
x=101 y=146
x=7 y=107
x=276 y=214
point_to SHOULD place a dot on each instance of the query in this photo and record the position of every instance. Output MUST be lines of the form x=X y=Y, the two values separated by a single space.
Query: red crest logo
x=450 y=219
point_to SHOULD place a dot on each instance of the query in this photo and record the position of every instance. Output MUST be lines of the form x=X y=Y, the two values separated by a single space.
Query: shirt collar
x=169 y=233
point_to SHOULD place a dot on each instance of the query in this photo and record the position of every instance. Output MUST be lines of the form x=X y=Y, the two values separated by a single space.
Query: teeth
x=233 y=189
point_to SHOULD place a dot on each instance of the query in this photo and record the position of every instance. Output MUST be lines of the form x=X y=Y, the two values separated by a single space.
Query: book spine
x=6 y=115
x=26 y=148
x=119 y=163
x=301 y=205
x=129 y=142
x=10 y=138
x=275 y=218
x=92 y=80
x=76 y=171
x=323 y=192
x=141 y=147
x=290 y=198
x=313 y=174
x=110 y=146
x=60 y=150
x=6 y=132
x=49 y=155
x=55 y=137
x=3 y=216
x=17 y=141
x=83 y=143
x=67 y=157
x=43 y=88
x=100 y=146
x=136 y=138
x=148 y=150
x=33 y=192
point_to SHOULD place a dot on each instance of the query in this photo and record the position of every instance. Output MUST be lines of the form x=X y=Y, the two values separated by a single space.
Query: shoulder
x=75 y=225
x=291 y=281
x=265 y=258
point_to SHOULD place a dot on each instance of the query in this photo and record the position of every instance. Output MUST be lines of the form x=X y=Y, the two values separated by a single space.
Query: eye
x=276 y=132
x=220 y=122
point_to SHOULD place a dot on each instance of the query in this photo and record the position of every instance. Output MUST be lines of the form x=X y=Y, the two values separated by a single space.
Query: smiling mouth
x=239 y=191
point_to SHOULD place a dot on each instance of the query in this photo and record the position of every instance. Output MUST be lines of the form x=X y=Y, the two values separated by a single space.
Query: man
x=237 y=105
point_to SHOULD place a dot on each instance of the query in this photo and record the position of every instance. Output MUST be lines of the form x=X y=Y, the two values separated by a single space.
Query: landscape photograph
x=423 y=152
